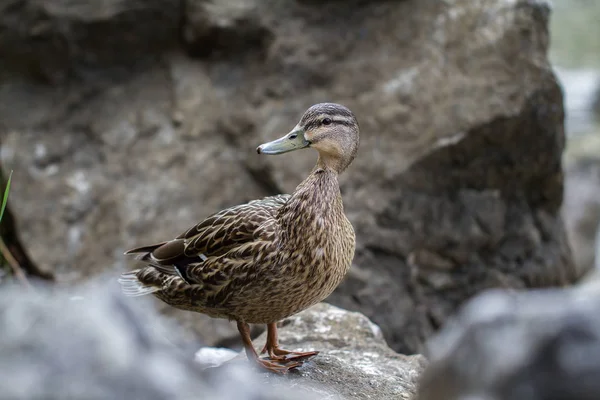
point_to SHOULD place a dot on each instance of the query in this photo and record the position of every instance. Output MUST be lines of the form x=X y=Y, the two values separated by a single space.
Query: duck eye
x=326 y=121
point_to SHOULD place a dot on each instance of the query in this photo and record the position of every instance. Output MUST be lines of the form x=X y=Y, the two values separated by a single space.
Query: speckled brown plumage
x=268 y=259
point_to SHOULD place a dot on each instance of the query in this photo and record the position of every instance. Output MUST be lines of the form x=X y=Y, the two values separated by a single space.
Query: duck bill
x=292 y=141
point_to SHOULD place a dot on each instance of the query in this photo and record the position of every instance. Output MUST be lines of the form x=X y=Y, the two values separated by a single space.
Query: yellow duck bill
x=292 y=141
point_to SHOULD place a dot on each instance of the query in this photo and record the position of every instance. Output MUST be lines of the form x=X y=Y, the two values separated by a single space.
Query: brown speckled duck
x=268 y=259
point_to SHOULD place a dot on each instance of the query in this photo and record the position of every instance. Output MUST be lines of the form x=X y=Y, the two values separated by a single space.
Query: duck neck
x=315 y=204
x=330 y=163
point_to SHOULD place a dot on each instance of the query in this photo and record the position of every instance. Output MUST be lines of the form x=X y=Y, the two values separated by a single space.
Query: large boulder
x=456 y=187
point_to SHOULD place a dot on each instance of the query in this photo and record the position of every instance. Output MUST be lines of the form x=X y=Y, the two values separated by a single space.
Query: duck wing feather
x=195 y=256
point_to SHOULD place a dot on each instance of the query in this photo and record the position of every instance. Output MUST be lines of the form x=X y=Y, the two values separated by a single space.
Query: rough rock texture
x=54 y=40
x=94 y=343
x=541 y=345
x=456 y=187
x=354 y=360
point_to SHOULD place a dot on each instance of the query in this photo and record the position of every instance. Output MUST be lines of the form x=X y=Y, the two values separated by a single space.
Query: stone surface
x=225 y=29
x=91 y=342
x=56 y=40
x=354 y=360
x=456 y=187
x=540 y=345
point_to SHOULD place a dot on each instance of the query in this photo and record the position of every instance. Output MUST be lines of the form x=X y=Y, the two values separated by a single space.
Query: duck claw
x=282 y=355
x=276 y=366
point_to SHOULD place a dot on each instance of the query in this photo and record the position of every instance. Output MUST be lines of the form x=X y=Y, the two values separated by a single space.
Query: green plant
x=5 y=197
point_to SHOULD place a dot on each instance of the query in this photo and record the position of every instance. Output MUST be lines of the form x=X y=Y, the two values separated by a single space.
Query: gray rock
x=90 y=342
x=537 y=345
x=354 y=360
x=456 y=188
x=225 y=29
x=52 y=41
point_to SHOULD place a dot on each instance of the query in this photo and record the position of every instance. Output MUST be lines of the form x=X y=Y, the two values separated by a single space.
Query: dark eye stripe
x=334 y=121
x=331 y=110
x=342 y=122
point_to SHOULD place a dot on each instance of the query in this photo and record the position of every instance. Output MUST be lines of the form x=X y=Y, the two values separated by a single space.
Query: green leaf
x=5 y=198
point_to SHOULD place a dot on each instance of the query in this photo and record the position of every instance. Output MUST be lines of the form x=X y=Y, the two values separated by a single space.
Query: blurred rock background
x=126 y=121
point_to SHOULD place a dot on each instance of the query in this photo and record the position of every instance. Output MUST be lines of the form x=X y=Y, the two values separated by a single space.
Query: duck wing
x=230 y=228
x=193 y=255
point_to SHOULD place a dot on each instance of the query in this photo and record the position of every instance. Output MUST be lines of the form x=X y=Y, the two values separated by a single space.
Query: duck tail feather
x=145 y=249
x=132 y=287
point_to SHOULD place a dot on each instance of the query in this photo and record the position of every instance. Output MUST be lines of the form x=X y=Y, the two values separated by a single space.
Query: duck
x=266 y=260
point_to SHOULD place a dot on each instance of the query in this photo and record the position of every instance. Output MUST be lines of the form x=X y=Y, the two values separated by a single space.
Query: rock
x=214 y=356
x=456 y=188
x=537 y=345
x=91 y=342
x=354 y=360
x=226 y=29
x=55 y=40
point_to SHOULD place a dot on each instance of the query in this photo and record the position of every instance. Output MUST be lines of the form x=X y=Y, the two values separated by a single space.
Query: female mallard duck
x=268 y=259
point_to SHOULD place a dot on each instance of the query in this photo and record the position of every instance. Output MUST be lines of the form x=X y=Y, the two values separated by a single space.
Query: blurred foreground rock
x=91 y=343
x=540 y=345
x=63 y=345
x=456 y=187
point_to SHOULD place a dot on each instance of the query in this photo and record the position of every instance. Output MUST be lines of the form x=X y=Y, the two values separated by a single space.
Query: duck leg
x=276 y=367
x=277 y=354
